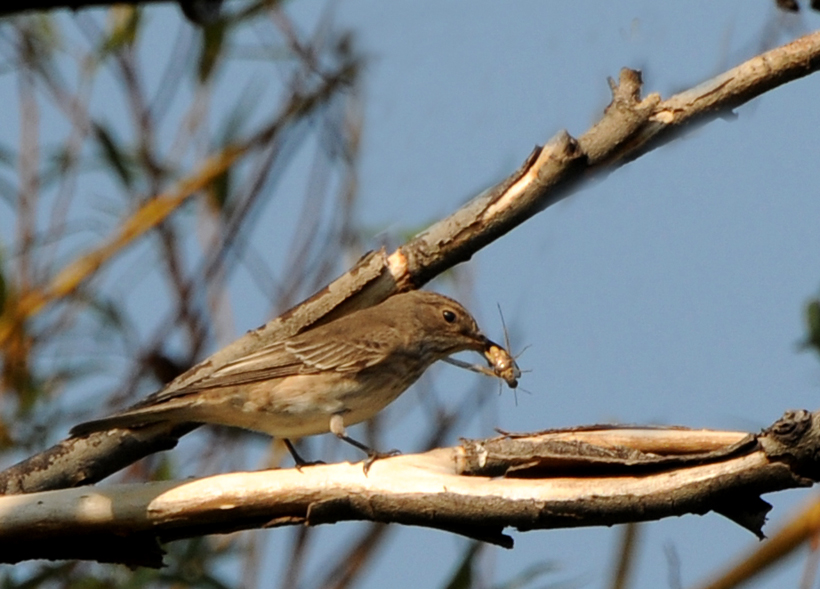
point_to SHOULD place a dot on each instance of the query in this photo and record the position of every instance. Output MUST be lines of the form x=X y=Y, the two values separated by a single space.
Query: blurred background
x=676 y=291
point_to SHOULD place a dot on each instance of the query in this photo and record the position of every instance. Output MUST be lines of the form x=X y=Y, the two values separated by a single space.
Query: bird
x=325 y=378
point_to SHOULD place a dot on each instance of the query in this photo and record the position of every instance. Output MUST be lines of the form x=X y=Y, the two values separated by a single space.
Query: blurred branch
x=554 y=479
x=15 y=6
x=147 y=216
x=626 y=557
x=154 y=211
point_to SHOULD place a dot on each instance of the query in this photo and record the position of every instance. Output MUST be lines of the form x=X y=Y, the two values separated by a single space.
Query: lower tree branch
x=553 y=479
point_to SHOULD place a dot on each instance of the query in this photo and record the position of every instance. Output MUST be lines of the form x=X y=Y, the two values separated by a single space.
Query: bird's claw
x=304 y=463
x=373 y=456
x=297 y=458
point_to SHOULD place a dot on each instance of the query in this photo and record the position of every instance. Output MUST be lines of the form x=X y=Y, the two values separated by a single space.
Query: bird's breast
x=302 y=405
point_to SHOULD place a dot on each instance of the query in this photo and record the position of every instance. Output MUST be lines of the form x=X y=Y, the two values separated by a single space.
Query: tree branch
x=553 y=479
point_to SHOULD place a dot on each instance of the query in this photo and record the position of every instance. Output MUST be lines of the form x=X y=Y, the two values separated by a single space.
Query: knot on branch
x=627 y=90
x=791 y=427
x=795 y=439
x=619 y=131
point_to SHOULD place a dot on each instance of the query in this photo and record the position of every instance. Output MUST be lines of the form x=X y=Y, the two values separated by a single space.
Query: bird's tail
x=128 y=419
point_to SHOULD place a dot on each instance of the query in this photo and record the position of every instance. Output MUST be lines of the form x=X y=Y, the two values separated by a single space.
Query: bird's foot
x=297 y=458
x=373 y=456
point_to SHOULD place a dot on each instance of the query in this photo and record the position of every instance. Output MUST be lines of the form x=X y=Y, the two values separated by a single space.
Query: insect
x=503 y=365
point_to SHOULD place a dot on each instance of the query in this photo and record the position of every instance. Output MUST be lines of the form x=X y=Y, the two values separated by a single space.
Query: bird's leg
x=297 y=458
x=337 y=427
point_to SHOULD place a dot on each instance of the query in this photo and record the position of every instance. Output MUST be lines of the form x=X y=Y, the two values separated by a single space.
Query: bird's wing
x=348 y=354
x=298 y=355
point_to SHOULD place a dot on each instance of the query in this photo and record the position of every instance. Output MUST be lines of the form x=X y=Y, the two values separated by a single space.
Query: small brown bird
x=336 y=374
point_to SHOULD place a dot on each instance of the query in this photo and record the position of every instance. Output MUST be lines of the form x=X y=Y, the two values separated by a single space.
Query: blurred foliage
x=126 y=216
x=466 y=575
x=813 y=325
x=122 y=166
x=213 y=37
x=124 y=23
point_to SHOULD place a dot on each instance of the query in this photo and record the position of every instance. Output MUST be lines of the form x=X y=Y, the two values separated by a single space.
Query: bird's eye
x=449 y=316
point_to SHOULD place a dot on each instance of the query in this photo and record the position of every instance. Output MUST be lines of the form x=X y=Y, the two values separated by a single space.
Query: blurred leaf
x=463 y=577
x=201 y=12
x=124 y=22
x=219 y=190
x=213 y=39
x=813 y=326
x=115 y=156
x=40 y=39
